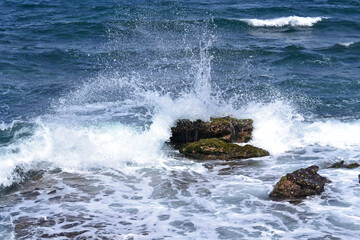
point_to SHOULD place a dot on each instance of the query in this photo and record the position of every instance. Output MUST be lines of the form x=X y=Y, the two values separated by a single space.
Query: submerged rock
x=213 y=148
x=342 y=164
x=338 y=165
x=225 y=128
x=299 y=184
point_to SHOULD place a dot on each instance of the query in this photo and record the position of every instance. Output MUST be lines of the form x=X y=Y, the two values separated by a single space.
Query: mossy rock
x=225 y=128
x=299 y=184
x=213 y=148
x=353 y=165
x=342 y=164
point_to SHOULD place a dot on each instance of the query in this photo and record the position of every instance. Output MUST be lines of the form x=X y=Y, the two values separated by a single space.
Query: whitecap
x=284 y=21
x=346 y=44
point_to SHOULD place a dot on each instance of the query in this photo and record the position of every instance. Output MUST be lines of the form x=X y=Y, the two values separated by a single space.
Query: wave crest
x=284 y=21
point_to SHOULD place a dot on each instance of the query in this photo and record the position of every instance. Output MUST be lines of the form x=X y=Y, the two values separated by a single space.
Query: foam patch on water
x=78 y=148
x=279 y=128
x=191 y=202
x=275 y=126
x=284 y=21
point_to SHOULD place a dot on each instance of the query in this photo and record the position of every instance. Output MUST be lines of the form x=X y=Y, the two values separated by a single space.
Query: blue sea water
x=90 y=89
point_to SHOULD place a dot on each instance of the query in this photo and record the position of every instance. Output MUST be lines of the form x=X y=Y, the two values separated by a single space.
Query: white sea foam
x=284 y=21
x=347 y=44
x=64 y=140
x=278 y=128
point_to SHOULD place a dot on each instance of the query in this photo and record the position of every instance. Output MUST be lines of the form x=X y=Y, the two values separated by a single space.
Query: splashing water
x=69 y=138
x=108 y=138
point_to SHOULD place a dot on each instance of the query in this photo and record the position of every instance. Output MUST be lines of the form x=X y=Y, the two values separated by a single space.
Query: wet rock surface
x=225 y=128
x=213 y=148
x=299 y=184
x=342 y=164
x=215 y=139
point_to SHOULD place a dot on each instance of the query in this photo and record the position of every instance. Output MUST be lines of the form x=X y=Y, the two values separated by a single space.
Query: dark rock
x=241 y=129
x=338 y=164
x=353 y=165
x=225 y=128
x=213 y=148
x=359 y=178
x=299 y=184
x=342 y=164
x=52 y=192
x=70 y=235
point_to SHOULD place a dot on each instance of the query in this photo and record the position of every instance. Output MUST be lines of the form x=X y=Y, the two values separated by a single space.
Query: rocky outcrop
x=342 y=164
x=214 y=139
x=213 y=148
x=299 y=184
x=226 y=128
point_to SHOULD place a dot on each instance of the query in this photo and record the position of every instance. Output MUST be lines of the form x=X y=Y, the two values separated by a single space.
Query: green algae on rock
x=342 y=164
x=299 y=184
x=213 y=148
x=225 y=128
x=353 y=165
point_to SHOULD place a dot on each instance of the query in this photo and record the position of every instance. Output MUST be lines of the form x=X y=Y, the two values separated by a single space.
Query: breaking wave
x=120 y=122
x=284 y=21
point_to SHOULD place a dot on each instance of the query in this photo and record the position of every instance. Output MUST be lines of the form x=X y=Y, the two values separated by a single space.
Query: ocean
x=89 y=91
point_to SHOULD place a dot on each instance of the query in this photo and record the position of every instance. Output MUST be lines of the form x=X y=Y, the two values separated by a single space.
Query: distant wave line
x=284 y=21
